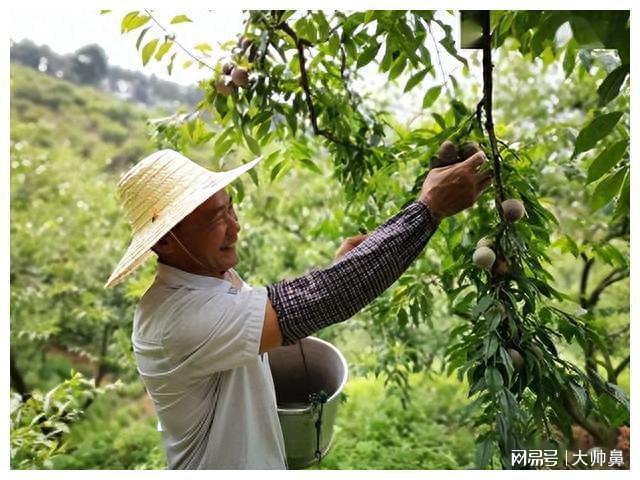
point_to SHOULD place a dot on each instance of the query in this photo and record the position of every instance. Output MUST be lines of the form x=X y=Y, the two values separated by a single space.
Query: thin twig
x=172 y=36
x=445 y=78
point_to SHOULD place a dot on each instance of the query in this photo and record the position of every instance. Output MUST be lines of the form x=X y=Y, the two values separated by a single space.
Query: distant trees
x=89 y=65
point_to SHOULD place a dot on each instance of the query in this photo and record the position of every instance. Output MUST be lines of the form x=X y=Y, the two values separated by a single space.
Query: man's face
x=210 y=234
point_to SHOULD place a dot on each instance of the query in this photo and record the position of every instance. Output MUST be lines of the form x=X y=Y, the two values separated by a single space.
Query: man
x=201 y=334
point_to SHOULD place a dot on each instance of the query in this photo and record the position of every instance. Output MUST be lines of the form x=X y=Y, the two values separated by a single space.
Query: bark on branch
x=487 y=76
x=304 y=83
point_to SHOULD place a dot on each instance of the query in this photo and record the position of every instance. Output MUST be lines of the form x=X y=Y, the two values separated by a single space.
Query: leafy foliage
x=303 y=68
x=40 y=425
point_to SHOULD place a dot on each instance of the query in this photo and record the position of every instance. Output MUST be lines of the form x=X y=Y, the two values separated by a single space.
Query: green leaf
x=170 y=65
x=334 y=44
x=600 y=127
x=368 y=54
x=431 y=96
x=607 y=159
x=126 y=19
x=141 y=36
x=397 y=67
x=493 y=379
x=254 y=176
x=493 y=319
x=607 y=189
x=580 y=395
x=585 y=30
x=483 y=304
x=180 y=19
x=276 y=169
x=610 y=86
x=616 y=392
x=205 y=48
x=569 y=60
x=484 y=452
x=148 y=50
x=416 y=79
x=252 y=144
x=624 y=200
x=309 y=165
x=440 y=120
x=491 y=344
x=133 y=20
x=164 y=48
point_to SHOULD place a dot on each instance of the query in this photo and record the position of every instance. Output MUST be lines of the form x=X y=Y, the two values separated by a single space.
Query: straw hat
x=156 y=194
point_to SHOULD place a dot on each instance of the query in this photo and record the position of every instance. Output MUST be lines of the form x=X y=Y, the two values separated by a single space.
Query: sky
x=67 y=29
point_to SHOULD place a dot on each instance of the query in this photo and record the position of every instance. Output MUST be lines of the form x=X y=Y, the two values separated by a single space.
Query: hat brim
x=139 y=249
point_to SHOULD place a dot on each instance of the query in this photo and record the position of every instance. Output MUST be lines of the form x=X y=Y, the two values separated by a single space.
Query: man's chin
x=230 y=255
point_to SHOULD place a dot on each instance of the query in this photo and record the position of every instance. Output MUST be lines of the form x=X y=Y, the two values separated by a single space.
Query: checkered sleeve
x=334 y=294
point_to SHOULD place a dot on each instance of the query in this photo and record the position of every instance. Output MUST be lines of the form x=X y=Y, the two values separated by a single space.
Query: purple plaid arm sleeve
x=334 y=294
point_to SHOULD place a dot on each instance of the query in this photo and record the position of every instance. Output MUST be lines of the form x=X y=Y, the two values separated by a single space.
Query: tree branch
x=487 y=67
x=584 y=279
x=304 y=82
x=618 y=370
x=614 y=276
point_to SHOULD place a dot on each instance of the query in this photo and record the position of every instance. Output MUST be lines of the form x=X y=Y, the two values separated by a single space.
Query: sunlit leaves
x=133 y=20
x=148 y=50
x=180 y=19
x=164 y=48
x=431 y=96
x=204 y=48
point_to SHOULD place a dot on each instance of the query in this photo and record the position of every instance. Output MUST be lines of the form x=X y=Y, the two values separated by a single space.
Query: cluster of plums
x=234 y=76
x=484 y=255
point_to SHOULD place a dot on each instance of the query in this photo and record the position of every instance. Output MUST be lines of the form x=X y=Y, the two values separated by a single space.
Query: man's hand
x=449 y=190
x=349 y=244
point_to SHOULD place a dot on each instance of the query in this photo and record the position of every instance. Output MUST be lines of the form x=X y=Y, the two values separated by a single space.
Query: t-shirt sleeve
x=215 y=331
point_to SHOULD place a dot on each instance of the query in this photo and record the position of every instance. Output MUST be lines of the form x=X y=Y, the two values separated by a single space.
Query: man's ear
x=164 y=246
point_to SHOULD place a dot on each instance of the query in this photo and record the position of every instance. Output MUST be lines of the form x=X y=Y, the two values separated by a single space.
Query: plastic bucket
x=328 y=372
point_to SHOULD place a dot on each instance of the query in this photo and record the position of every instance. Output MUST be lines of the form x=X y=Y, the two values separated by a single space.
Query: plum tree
x=304 y=103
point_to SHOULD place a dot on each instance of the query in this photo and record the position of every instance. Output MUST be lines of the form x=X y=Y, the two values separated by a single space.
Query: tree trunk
x=17 y=380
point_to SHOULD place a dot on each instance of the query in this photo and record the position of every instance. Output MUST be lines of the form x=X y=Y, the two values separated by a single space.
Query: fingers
x=488 y=175
x=484 y=184
x=476 y=159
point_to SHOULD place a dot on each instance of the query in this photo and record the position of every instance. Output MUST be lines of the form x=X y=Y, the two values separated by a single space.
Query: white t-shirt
x=196 y=341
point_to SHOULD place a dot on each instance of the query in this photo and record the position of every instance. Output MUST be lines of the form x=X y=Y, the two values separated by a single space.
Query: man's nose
x=234 y=222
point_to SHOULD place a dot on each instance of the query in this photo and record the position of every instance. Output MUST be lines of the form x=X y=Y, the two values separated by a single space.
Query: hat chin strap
x=189 y=253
